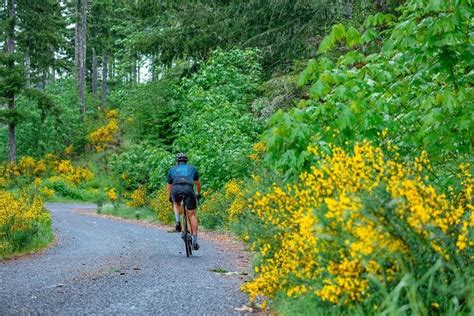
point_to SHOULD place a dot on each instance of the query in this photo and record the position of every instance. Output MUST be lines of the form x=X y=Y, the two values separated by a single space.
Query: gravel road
x=106 y=266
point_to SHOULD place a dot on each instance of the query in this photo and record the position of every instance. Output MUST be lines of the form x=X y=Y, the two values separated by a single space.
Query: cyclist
x=181 y=181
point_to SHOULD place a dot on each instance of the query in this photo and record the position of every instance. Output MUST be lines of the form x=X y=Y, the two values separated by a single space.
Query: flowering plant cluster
x=139 y=197
x=74 y=174
x=353 y=221
x=28 y=168
x=258 y=150
x=224 y=206
x=106 y=135
x=112 y=195
x=161 y=205
x=20 y=218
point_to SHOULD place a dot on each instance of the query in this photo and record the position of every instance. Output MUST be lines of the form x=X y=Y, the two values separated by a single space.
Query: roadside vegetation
x=340 y=153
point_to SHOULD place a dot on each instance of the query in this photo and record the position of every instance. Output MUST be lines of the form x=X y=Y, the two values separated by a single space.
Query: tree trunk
x=94 y=73
x=44 y=79
x=11 y=97
x=350 y=9
x=382 y=5
x=77 y=35
x=80 y=52
x=111 y=67
x=82 y=81
x=105 y=62
x=27 y=69
x=134 y=71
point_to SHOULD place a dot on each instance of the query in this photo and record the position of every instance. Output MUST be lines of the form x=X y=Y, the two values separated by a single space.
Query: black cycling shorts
x=189 y=195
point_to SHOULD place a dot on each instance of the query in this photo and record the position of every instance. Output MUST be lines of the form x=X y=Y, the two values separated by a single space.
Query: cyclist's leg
x=194 y=221
x=175 y=196
x=176 y=210
x=191 y=204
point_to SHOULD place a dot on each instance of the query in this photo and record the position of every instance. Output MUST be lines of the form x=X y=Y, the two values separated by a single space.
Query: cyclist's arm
x=197 y=182
x=198 y=186
x=169 y=187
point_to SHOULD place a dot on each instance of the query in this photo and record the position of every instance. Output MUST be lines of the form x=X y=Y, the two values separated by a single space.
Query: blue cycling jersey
x=183 y=174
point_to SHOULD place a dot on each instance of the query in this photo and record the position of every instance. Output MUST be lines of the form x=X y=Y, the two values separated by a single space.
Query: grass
x=42 y=238
x=142 y=214
x=58 y=198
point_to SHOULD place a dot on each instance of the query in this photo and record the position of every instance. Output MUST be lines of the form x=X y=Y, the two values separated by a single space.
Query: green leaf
x=353 y=37
x=345 y=120
x=369 y=35
x=450 y=101
x=326 y=44
x=339 y=32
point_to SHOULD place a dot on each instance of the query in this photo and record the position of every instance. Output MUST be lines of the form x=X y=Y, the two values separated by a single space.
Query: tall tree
x=11 y=94
x=105 y=62
x=41 y=38
x=80 y=54
x=100 y=24
x=284 y=30
x=94 y=73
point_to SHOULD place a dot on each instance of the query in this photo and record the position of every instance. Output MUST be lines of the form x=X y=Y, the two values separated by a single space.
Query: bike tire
x=185 y=237
x=190 y=246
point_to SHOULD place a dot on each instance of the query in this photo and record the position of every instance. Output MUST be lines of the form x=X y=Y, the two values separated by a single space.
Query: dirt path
x=101 y=266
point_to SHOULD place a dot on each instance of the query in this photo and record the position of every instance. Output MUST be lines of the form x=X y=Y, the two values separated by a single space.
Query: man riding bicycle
x=181 y=181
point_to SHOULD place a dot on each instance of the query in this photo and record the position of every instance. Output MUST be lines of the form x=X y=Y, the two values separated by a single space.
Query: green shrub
x=215 y=128
x=141 y=165
x=410 y=76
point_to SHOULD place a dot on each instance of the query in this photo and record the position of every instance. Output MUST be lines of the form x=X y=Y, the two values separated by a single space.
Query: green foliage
x=215 y=127
x=50 y=121
x=41 y=34
x=418 y=86
x=141 y=165
x=213 y=213
x=83 y=192
x=149 y=110
x=37 y=236
x=283 y=30
x=143 y=214
x=406 y=295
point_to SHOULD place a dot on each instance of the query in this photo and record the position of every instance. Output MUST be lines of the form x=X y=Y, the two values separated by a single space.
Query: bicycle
x=186 y=234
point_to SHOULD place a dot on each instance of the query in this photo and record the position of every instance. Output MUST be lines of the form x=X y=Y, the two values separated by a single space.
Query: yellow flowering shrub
x=112 y=195
x=29 y=169
x=106 y=135
x=74 y=174
x=349 y=219
x=26 y=165
x=139 y=197
x=19 y=220
x=234 y=192
x=162 y=206
x=258 y=150
x=224 y=206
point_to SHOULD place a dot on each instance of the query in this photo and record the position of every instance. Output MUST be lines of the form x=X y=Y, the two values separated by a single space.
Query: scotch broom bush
x=24 y=223
x=359 y=221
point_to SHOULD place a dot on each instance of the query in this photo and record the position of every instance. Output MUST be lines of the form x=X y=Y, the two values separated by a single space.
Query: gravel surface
x=106 y=266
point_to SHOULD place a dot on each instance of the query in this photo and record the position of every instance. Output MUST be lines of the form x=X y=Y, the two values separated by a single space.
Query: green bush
x=141 y=165
x=149 y=110
x=417 y=86
x=81 y=192
x=215 y=127
x=48 y=127
x=25 y=225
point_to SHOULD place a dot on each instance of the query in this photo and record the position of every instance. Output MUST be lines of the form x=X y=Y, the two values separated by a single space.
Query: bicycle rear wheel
x=187 y=236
